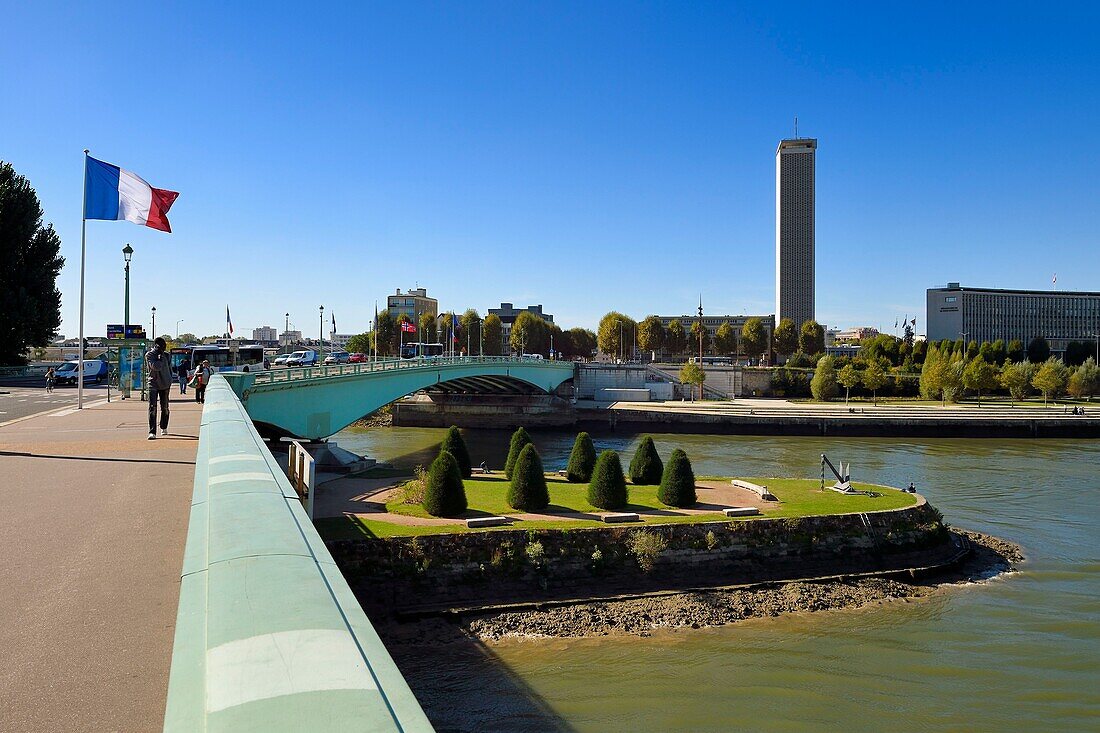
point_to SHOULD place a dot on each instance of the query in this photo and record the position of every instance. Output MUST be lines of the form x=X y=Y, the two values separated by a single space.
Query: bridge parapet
x=269 y=636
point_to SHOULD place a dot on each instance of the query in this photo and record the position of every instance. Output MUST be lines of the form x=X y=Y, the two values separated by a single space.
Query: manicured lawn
x=486 y=496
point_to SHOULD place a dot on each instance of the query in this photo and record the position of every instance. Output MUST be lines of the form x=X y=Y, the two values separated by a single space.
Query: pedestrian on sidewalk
x=50 y=374
x=182 y=371
x=201 y=380
x=158 y=365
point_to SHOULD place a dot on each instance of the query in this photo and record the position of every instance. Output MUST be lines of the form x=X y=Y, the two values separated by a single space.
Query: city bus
x=250 y=357
x=415 y=349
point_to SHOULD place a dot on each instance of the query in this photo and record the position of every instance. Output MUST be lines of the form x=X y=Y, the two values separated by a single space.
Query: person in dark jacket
x=183 y=371
x=203 y=374
x=158 y=365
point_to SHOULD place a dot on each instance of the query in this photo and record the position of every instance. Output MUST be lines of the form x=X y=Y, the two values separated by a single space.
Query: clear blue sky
x=584 y=156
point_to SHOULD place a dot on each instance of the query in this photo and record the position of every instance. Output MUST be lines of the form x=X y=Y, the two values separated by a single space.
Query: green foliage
x=360 y=343
x=527 y=490
x=454 y=444
x=385 y=333
x=583 y=342
x=646 y=465
x=677 y=482
x=725 y=339
x=786 y=337
x=615 y=335
x=582 y=460
x=788 y=382
x=1016 y=378
x=30 y=303
x=1015 y=351
x=530 y=334
x=675 y=337
x=698 y=331
x=811 y=338
x=693 y=374
x=999 y=352
x=647 y=546
x=651 y=334
x=874 y=377
x=1038 y=351
x=824 y=385
x=429 y=332
x=607 y=489
x=1077 y=352
x=444 y=494
x=520 y=438
x=470 y=323
x=979 y=375
x=848 y=378
x=492 y=335
x=754 y=337
x=1050 y=379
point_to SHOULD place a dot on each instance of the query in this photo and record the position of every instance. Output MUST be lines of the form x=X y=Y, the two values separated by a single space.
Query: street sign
x=135 y=332
x=114 y=331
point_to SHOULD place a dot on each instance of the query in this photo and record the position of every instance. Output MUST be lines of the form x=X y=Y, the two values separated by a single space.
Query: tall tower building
x=794 y=230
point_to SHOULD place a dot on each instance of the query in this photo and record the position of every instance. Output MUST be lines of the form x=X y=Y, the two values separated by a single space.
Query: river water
x=1018 y=653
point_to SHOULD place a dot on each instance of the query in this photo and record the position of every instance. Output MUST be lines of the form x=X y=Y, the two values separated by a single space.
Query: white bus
x=248 y=358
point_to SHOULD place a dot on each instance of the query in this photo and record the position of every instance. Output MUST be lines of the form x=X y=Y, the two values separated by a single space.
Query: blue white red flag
x=228 y=322
x=115 y=193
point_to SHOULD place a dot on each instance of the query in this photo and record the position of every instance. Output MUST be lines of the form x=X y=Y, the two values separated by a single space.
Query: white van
x=94 y=371
x=531 y=356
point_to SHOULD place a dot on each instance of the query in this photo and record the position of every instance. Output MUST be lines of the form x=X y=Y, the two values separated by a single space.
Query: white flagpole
x=83 y=226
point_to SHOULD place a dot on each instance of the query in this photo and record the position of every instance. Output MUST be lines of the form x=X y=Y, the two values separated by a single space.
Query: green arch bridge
x=315 y=402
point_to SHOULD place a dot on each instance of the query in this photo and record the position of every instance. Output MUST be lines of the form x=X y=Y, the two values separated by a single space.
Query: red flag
x=408 y=327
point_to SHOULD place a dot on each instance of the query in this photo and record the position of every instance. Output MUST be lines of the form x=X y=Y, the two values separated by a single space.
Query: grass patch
x=384 y=472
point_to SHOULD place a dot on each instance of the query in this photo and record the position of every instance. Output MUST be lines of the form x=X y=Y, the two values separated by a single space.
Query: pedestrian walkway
x=93 y=519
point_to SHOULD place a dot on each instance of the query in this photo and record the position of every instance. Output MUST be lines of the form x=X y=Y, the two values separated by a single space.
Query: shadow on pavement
x=21 y=454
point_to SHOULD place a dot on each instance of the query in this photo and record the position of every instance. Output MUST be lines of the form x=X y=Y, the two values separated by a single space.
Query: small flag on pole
x=228 y=322
x=334 y=321
x=408 y=327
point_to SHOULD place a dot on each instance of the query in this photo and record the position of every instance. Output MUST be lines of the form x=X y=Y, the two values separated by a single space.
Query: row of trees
x=947 y=376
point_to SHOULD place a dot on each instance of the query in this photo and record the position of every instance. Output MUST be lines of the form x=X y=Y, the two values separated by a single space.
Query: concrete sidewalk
x=93 y=518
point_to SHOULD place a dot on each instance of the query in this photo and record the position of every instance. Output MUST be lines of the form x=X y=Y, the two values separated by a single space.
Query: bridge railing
x=292 y=374
x=269 y=636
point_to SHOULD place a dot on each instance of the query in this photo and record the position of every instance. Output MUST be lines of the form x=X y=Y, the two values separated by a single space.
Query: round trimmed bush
x=646 y=466
x=444 y=494
x=607 y=489
x=582 y=460
x=520 y=438
x=678 y=482
x=527 y=490
x=456 y=446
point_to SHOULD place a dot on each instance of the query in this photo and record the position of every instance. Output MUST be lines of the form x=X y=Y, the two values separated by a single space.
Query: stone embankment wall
x=502 y=567
x=503 y=412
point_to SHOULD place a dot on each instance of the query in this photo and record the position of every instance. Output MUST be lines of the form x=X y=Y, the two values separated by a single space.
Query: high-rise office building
x=794 y=230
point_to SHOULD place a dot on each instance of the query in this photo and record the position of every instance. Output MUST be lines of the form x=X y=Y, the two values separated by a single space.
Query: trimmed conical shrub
x=456 y=446
x=582 y=460
x=678 y=482
x=444 y=494
x=607 y=489
x=520 y=438
x=646 y=466
x=527 y=491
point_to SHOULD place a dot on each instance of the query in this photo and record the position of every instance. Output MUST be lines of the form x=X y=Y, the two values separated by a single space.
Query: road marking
x=65 y=412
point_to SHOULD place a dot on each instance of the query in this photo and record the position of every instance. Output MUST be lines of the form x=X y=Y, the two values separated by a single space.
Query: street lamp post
x=286 y=330
x=322 y=334
x=178 y=329
x=154 y=333
x=127 y=253
x=620 y=342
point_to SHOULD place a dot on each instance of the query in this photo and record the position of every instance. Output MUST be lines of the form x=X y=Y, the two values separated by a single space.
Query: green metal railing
x=269 y=636
x=291 y=374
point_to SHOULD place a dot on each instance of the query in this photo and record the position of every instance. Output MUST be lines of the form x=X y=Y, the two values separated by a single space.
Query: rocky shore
x=381 y=418
x=989 y=557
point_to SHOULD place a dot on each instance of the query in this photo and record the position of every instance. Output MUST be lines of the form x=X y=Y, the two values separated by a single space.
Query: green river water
x=1017 y=653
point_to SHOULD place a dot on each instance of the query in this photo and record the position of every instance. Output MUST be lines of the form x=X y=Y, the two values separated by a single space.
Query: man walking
x=182 y=371
x=158 y=364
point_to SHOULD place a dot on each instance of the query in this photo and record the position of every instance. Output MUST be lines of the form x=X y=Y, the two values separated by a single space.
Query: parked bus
x=715 y=360
x=415 y=349
x=249 y=357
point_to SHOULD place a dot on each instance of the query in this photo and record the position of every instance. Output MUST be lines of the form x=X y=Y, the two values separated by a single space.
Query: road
x=20 y=402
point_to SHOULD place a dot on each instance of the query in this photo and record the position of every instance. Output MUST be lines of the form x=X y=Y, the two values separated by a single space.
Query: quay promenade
x=93 y=518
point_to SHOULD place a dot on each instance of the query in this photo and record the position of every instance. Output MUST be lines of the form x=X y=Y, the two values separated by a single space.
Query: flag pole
x=83 y=226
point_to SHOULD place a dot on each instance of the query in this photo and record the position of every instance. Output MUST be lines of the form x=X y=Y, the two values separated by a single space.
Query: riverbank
x=989 y=557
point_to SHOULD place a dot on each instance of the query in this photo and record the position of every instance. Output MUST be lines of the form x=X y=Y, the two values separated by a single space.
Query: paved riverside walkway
x=93 y=518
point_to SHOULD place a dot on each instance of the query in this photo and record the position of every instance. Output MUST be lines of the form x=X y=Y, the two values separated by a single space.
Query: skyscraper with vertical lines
x=794 y=230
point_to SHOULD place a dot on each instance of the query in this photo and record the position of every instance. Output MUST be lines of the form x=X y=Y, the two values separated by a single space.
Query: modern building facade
x=290 y=337
x=795 y=161
x=411 y=304
x=711 y=323
x=265 y=335
x=849 y=335
x=508 y=314
x=988 y=314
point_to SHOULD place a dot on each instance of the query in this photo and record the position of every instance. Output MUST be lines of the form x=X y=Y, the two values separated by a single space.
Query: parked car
x=94 y=371
x=280 y=360
x=306 y=357
x=337 y=357
x=357 y=358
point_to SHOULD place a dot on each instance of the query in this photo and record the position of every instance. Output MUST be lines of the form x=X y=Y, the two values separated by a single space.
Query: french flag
x=114 y=193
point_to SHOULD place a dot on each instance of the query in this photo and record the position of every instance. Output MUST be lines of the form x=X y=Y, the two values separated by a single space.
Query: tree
x=651 y=334
x=823 y=386
x=385 y=333
x=1015 y=377
x=1076 y=353
x=693 y=374
x=583 y=342
x=520 y=438
x=428 y=331
x=986 y=352
x=582 y=460
x=492 y=330
x=1016 y=351
x=471 y=328
x=444 y=494
x=675 y=337
x=614 y=330
x=30 y=303
x=848 y=377
x=979 y=374
x=646 y=466
x=1090 y=375
x=1050 y=380
x=529 y=335
x=754 y=337
x=786 y=337
x=1000 y=352
x=677 y=487
x=399 y=336
x=188 y=338
x=1076 y=386
x=607 y=489
x=527 y=490
x=1038 y=351
x=559 y=340
x=698 y=331
x=456 y=446
x=972 y=350
x=951 y=378
x=920 y=350
x=725 y=339
x=811 y=338
x=360 y=343
x=874 y=376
